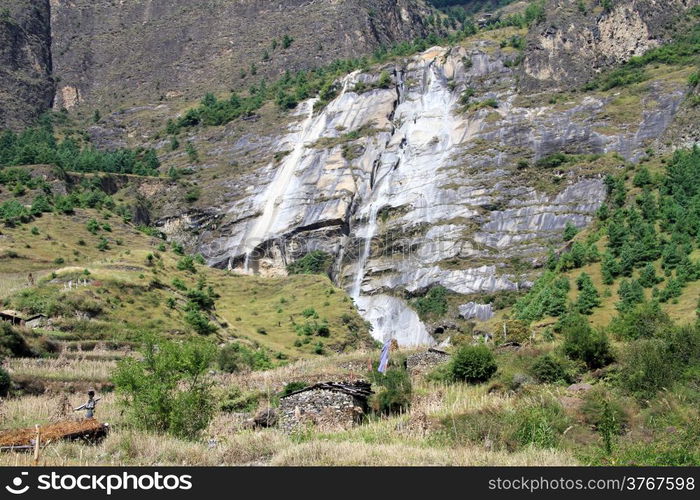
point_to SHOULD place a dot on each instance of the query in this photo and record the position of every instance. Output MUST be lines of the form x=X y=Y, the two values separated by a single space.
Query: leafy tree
x=642 y=178
x=434 y=303
x=610 y=268
x=186 y=263
x=549 y=370
x=236 y=357
x=167 y=390
x=315 y=262
x=395 y=393
x=645 y=320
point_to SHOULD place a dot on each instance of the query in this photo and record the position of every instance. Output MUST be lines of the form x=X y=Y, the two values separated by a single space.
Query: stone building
x=328 y=405
x=422 y=362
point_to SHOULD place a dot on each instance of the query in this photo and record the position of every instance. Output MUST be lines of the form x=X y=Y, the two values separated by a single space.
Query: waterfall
x=280 y=183
x=420 y=122
x=371 y=230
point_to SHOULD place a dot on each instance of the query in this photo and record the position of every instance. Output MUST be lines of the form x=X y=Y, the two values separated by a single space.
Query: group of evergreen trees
x=661 y=224
x=87 y=194
x=38 y=145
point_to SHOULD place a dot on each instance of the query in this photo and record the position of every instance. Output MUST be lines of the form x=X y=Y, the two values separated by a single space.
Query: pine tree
x=609 y=268
x=588 y=296
x=643 y=178
x=631 y=293
x=569 y=231
x=648 y=277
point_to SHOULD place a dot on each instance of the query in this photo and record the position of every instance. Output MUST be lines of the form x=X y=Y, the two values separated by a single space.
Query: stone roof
x=359 y=389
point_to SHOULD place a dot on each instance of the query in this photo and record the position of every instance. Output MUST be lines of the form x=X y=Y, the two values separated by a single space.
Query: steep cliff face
x=26 y=86
x=578 y=40
x=413 y=186
x=110 y=54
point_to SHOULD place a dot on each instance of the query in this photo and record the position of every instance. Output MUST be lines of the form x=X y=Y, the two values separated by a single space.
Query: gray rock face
x=26 y=87
x=570 y=46
x=108 y=54
x=472 y=310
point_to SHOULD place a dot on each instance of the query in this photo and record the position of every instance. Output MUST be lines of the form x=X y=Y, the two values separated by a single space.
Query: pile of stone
x=425 y=361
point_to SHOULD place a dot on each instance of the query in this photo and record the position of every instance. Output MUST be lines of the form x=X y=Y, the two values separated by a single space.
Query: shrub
x=186 y=263
x=539 y=425
x=647 y=367
x=167 y=390
x=606 y=414
x=646 y=320
x=683 y=345
x=316 y=262
x=473 y=364
x=547 y=369
x=12 y=343
x=309 y=312
x=199 y=322
x=235 y=400
x=395 y=393
x=588 y=297
x=5 y=382
x=434 y=303
x=103 y=244
x=583 y=343
x=238 y=357
x=569 y=231
x=179 y=284
x=293 y=387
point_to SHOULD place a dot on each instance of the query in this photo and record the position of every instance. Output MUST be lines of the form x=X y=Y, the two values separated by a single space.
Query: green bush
x=646 y=320
x=434 y=303
x=647 y=366
x=186 y=263
x=293 y=387
x=683 y=344
x=167 y=390
x=199 y=322
x=5 y=382
x=316 y=262
x=540 y=425
x=473 y=364
x=12 y=343
x=395 y=393
x=583 y=343
x=238 y=357
x=606 y=414
x=235 y=400
x=548 y=370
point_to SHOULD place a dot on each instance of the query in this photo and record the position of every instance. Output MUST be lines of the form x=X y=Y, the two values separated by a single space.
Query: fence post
x=36 y=445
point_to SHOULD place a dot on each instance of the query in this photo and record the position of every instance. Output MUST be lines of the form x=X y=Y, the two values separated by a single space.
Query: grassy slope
x=126 y=287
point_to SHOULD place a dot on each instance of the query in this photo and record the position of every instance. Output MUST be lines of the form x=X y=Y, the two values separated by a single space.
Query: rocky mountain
x=577 y=40
x=459 y=166
x=107 y=55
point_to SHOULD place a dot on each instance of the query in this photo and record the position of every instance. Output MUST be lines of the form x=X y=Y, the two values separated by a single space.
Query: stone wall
x=425 y=361
x=322 y=408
